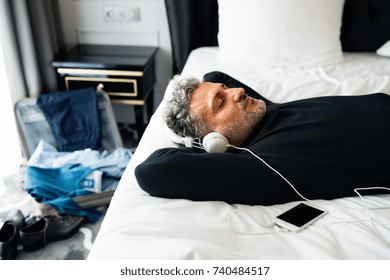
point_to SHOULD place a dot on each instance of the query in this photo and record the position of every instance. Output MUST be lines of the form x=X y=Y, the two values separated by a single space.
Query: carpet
x=76 y=247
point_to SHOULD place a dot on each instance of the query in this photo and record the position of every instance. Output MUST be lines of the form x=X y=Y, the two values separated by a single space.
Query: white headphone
x=214 y=142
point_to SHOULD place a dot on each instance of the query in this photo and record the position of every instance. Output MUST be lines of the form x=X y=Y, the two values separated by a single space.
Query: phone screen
x=300 y=214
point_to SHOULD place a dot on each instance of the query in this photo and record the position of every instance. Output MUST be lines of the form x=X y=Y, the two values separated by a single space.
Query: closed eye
x=221 y=102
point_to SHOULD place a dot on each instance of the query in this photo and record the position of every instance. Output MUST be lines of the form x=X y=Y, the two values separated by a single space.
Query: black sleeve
x=200 y=176
x=219 y=77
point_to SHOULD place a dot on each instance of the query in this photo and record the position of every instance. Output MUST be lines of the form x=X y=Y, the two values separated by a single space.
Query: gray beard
x=239 y=130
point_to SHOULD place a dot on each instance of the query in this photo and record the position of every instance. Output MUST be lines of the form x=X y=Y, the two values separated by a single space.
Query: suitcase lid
x=33 y=126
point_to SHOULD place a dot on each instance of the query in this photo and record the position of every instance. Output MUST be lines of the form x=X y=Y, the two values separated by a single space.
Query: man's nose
x=237 y=93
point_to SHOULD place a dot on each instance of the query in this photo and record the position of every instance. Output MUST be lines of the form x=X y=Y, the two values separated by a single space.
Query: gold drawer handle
x=100 y=87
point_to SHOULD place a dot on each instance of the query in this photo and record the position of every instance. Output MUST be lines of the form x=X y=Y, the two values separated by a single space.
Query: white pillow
x=384 y=50
x=280 y=32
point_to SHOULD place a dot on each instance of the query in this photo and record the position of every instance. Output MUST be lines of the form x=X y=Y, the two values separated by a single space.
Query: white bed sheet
x=138 y=226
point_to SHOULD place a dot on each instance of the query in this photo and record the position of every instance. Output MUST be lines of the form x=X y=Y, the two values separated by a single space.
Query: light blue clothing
x=111 y=164
x=57 y=186
x=55 y=177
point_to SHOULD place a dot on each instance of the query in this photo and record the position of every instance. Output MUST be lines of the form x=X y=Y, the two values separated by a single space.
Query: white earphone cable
x=236 y=210
x=369 y=212
x=272 y=224
x=304 y=198
x=273 y=169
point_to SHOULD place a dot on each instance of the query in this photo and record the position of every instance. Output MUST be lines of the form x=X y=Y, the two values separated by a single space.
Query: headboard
x=194 y=23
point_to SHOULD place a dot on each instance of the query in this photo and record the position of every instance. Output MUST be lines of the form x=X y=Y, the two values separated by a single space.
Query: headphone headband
x=214 y=142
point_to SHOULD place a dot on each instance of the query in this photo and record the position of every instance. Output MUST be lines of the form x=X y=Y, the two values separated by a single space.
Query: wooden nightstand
x=126 y=73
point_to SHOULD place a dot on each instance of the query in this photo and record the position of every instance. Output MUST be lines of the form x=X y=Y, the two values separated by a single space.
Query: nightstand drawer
x=131 y=87
x=113 y=86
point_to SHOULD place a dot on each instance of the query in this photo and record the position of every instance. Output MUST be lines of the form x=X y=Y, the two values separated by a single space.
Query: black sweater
x=324 y=146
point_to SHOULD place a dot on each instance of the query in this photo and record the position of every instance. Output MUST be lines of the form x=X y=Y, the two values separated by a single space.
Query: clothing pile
x=74 y=166
x=53 y=177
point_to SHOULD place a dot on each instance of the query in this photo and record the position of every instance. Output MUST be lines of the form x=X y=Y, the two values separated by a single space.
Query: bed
x=141 y=227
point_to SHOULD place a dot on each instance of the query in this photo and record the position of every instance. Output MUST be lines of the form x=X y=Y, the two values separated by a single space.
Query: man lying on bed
x=325 y=146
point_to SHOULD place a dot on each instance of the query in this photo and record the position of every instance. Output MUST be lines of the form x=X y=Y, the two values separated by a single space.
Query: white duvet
x=141 y=227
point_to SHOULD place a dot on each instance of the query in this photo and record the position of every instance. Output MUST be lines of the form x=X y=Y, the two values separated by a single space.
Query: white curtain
x=10 y=154
x=30 y=37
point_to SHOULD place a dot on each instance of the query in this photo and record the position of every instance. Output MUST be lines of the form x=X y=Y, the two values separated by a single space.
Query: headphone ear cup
x=215 y=142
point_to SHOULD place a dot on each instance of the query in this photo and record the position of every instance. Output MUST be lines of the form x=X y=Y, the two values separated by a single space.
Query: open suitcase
x=33 y=127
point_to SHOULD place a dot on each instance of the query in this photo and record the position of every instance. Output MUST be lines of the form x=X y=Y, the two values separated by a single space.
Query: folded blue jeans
x=73 y=117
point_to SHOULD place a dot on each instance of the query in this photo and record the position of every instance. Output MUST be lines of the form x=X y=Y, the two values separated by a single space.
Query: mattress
x=140 y=227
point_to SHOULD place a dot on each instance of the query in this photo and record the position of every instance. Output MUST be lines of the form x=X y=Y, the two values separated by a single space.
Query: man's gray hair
x=177 y=115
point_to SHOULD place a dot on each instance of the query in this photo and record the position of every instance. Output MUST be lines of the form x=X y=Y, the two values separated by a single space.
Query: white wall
x=84 y=21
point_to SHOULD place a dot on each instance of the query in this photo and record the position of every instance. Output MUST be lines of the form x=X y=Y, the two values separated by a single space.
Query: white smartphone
x=299 y=217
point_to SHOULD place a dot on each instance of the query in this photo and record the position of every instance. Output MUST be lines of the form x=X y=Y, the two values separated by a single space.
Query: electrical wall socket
x=120 y=14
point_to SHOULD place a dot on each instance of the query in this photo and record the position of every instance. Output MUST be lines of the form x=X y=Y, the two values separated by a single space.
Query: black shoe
x=9 y=237
x=47 y=229
x=9 y=234
x=33 y=236
x=63 y=226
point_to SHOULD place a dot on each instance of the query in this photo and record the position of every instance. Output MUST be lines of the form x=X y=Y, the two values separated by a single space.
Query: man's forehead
x=205 y=90
x=204 y=86
x=200 y=98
